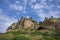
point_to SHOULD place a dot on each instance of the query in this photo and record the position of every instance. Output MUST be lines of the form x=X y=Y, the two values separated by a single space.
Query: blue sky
x=11 y=10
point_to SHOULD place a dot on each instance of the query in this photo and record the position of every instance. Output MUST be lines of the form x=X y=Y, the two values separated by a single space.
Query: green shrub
x=57 y=32
x=45 y=34
x=36 y=32
x=49 y=38
x=19 y=32
x=3 y=39
x=15 y=32
x=20 y=38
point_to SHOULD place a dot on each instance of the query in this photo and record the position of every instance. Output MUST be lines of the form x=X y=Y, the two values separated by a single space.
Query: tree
x=51 y=17
x=46 y=18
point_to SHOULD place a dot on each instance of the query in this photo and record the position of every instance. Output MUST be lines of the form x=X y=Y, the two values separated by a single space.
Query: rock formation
x=24 y=23
x=28 y=22
x=51 y=23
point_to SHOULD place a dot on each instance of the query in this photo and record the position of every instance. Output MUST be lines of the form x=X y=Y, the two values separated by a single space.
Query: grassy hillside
x=29 y=35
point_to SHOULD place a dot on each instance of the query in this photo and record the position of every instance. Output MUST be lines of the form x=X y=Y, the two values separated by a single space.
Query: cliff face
x=51 y=23
x=24 y=23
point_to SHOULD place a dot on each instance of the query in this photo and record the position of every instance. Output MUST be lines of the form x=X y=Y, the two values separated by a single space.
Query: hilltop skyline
x=12 y=10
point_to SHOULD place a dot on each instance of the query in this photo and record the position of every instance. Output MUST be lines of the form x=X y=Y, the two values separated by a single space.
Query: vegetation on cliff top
x=29 y=35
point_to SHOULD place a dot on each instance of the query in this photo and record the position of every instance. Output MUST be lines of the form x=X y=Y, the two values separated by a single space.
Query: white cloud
x=27 y=16
x=25 y=2
x=38 y=6
x=24 y=12
x=16 y=7
x=7 y=1
x=54 y=13
x=19 y=6
x=43 y=1
x=33 y=0
x=18 y=2
x=5 y=22
x=58 y=6
x=51 y=9
x=50 y=0
x=42 y=15
x=0 y=10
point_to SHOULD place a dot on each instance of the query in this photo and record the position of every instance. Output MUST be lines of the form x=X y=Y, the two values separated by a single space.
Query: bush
x=49 y=38
x=3 y=39
x=19 y=32
x=15 y=32
x=57 y=32
x=45 y=34
x=20 y=38
x=36 y=32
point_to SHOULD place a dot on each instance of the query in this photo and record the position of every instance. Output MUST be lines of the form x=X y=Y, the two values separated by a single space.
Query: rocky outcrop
x=24 y=23
x=29 y=23
x=51 y=23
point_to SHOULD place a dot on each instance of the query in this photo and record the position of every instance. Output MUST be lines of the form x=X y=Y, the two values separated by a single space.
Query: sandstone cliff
x=24 y=23
x=29 y=23
x=51 y=23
